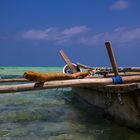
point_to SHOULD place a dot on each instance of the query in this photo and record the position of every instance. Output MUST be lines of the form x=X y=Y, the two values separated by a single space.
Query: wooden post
x=68 y=62
x=112 y=57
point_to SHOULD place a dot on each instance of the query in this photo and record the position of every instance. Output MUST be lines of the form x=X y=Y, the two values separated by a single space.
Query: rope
x=117 y=80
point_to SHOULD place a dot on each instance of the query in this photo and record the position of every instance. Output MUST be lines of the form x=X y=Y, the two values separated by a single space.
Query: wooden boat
x=121 y=102
x=120 y=99
x=117 y=93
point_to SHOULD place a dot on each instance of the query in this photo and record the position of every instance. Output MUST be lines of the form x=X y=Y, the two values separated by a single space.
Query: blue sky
x=32 y=32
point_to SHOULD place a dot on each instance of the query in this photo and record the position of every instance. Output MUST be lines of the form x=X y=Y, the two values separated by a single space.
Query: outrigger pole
x=95 y=82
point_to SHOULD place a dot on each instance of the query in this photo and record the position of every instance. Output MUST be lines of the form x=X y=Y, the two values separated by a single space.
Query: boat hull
x=123 y=108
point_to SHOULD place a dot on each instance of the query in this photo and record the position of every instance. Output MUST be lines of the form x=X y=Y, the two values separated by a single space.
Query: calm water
x=53 y=115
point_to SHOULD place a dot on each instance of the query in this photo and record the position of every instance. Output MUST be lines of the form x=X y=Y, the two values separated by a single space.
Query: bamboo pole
x=84 y=66
x=121 y=74
x=14 y=80
x=65 y=83
x=132 y=69
x=112 y=57
x=127 y=69
x=68 y=62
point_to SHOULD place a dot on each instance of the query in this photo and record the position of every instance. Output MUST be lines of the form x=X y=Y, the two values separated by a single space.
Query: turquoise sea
x=54 y=114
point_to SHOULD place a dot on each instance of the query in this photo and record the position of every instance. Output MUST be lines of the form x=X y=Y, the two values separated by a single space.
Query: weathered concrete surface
x=125 y=110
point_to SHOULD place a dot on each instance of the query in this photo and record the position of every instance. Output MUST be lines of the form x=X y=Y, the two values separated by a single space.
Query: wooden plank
x=65 y=83
x=112 y=57
x=68 y=62
x=122 y=88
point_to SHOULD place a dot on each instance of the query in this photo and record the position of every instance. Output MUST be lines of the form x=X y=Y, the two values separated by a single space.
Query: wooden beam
x=65 y=83
x=68 y=62
x=112 y=57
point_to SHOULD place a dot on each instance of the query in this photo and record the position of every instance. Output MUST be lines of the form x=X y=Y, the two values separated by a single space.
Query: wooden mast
x=112 y=57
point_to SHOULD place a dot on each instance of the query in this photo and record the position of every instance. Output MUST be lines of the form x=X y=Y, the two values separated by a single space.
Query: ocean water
x=54 y=114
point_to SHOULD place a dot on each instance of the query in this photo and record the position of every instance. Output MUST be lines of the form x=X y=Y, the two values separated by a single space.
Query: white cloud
x=118 y=36
x=47 y=34
x=55 y=34
x=75 y=30
x=120 y=5
x=81 y=35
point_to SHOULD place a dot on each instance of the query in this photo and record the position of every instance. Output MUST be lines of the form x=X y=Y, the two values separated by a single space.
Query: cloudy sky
x=32 y=32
